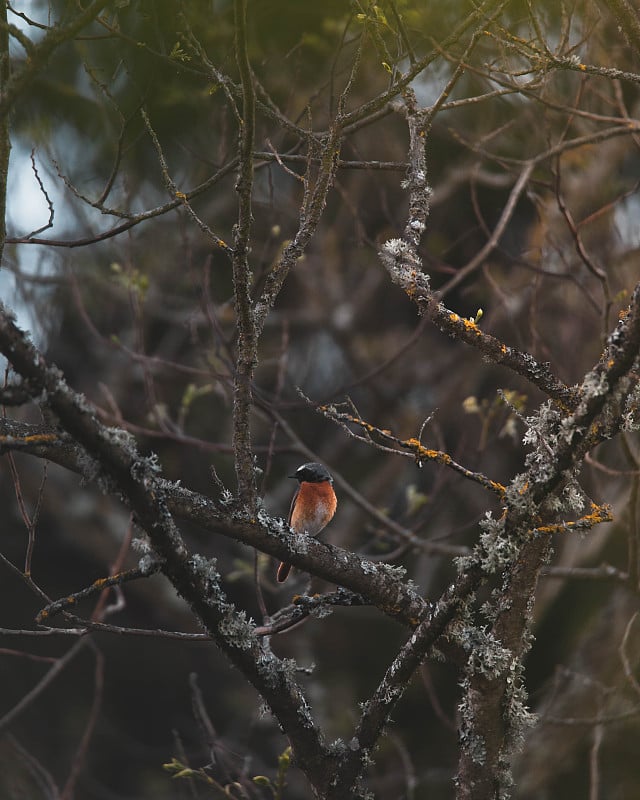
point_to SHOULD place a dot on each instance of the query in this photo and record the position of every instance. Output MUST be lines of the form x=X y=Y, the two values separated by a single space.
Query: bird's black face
x=313 y=473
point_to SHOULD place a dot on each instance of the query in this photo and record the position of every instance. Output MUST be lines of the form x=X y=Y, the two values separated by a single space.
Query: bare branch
x=5 y=141
x=194 y=577
x=247 y=328
x=16 y=86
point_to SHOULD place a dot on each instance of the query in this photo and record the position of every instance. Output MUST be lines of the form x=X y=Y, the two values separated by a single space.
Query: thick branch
x=377 y=582
x=492 y=714
x=377 y=710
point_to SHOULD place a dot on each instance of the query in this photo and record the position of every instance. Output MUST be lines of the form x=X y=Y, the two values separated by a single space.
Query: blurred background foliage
x=143 y=324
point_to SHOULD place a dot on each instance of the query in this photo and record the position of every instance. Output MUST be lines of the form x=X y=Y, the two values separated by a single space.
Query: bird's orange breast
x=313 y=507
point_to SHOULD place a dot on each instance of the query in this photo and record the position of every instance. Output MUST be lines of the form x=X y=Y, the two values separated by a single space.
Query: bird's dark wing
x=293 y=502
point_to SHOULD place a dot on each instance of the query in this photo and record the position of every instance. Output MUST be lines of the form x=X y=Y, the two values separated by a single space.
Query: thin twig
x=247 y=329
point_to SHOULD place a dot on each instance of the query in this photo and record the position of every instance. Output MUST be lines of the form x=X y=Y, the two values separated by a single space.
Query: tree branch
x=494 y=713
x=247 y=333
x=492 y=710
x=194 y=578
x=16 y=86
x=402 y=261
x=5 y=141
x=627 y=18
x=380 y=584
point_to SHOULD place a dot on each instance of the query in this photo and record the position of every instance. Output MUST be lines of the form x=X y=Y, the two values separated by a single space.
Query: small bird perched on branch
x=312 y=507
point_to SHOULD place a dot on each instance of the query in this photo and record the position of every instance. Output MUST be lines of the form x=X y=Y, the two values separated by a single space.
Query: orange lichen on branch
x=35 y=438
x=423 y=453
x=415 y=446
x=467 y=325
x=470 y=325
x=597 y=515
x=426 y=453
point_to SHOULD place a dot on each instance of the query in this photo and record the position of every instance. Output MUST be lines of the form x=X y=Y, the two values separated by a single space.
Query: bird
x=312 y=507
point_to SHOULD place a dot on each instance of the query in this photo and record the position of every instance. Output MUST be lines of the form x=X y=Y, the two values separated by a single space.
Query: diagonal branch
x=378 y=709
x=194 y=578
x=415 y=283
x=402 y=261
x=412 y=448
x=381 y=103
x=627 y=18
x=315 y=198
x=380 y=584
x=16 y=86
x=494 y=712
